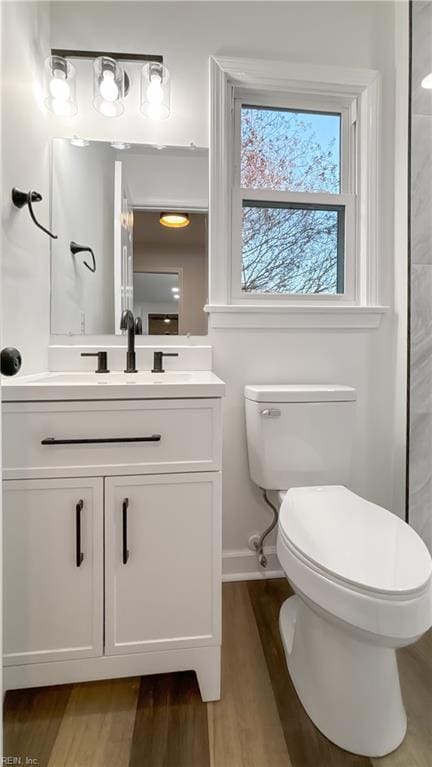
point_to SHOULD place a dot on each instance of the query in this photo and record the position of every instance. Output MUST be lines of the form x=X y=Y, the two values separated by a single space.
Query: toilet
x=362 y=578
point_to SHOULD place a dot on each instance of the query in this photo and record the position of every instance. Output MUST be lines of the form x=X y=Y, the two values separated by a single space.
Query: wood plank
x=244 y=726
x=171 y=723
x=97 y=726
x=306 y=745
x=32 y=719
x=415 y=668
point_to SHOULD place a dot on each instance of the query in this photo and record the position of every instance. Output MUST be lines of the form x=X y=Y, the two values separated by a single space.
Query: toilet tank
x=299 y=435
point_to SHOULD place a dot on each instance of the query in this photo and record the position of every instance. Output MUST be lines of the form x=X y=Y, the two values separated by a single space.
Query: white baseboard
x=242 y=565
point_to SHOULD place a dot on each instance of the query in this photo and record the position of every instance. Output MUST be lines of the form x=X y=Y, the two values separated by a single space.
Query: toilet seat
x=374 y=575
x=354 y=540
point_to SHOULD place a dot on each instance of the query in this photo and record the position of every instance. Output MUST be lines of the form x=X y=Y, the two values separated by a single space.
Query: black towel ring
x=75 y=248
x=20 y=199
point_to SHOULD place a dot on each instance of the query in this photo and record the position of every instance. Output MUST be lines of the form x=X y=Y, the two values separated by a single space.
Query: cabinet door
x=53 y=570
x=163 y=562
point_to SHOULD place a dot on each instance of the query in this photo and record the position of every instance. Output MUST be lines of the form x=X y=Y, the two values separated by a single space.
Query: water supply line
x=259 y=543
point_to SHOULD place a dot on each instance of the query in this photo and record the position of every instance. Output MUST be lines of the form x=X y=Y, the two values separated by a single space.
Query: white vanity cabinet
x=112 y=544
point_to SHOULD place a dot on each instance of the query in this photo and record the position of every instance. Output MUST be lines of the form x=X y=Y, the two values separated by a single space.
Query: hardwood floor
x=160 y=721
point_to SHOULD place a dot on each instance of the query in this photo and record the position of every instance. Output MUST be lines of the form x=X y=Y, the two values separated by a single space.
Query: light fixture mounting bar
x=71 y=54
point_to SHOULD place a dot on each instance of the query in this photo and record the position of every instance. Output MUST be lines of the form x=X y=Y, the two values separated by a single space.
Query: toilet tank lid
x=300 y=393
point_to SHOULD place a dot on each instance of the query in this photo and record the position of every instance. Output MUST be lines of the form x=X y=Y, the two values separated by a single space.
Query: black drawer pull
x=79 y=554
x=125 y=548
x=100 y=440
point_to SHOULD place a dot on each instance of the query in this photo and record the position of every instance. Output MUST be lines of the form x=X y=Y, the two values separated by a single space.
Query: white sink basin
x=115 y=378
x=115 y=385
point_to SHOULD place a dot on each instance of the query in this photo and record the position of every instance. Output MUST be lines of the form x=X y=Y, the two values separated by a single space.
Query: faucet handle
x=102 y=360
x=157 y=360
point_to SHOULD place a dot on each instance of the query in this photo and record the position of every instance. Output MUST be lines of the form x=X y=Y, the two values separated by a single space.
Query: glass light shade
x=109 y=86
x=60 y=86
x=174 y=220
x=427 y=82
x=155 y=91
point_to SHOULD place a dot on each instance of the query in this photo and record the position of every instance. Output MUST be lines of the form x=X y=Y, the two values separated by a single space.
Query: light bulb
x=108 y=87
x=59 y=87
x=427 y=82
x=175 y=290
x=155 y=91
x=155 y=94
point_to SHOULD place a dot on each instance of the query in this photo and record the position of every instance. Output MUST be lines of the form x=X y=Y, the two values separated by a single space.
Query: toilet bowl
x=363 y=586
x=361 y=576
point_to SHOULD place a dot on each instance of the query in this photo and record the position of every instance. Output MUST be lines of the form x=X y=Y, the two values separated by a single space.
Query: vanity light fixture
x=175 y=290
x=427 y=82
x=60 y=86
x=155 y=91
x=174 y=220
x=111 y=82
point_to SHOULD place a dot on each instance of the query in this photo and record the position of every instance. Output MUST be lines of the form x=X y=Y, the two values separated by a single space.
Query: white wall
x=25 y=164
x=82 y=211
x=167 y=178
x=359 y=34
x=192 y=264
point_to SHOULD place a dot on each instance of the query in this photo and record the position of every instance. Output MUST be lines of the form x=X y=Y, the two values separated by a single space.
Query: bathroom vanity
x=112 y=527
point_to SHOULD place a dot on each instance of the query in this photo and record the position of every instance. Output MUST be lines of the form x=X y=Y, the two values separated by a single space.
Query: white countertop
x=114 y=385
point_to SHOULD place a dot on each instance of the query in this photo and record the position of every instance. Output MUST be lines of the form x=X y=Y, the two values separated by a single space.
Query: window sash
x=345 y=200
x=285 y=199
x=297 y=103
x=340 y=259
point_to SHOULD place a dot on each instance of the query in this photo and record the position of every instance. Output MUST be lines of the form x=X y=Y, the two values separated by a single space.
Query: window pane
x=286 y=150
x=292 y=248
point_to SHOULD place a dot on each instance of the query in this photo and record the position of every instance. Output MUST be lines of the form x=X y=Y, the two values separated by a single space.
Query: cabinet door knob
x=79 y=554
x=125 y=532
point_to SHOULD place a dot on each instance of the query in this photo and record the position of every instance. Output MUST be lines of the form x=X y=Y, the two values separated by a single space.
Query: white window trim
x=362 y=308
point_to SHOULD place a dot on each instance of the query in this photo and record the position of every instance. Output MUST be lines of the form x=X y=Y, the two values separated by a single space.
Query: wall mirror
x=132 y=234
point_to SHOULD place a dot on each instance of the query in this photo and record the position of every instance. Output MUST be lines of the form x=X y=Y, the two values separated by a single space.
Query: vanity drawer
x=49 y=439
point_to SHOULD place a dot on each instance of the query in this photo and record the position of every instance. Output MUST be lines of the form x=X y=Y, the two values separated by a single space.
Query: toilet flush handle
x=271 y=413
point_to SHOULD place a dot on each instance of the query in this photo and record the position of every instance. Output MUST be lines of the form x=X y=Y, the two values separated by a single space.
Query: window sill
x=258 y=317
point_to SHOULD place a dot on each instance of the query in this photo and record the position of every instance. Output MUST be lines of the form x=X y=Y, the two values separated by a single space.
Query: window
x=295 y=221
x=293 y=211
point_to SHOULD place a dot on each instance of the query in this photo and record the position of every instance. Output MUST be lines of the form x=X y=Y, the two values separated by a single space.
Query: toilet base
x=348 y=687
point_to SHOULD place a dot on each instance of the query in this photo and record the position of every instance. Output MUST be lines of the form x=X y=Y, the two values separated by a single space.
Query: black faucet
x=157 y=361
x=127 y=322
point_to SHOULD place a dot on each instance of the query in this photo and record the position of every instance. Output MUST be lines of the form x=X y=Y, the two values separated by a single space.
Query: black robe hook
x=20 y=199
x=75 y=248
